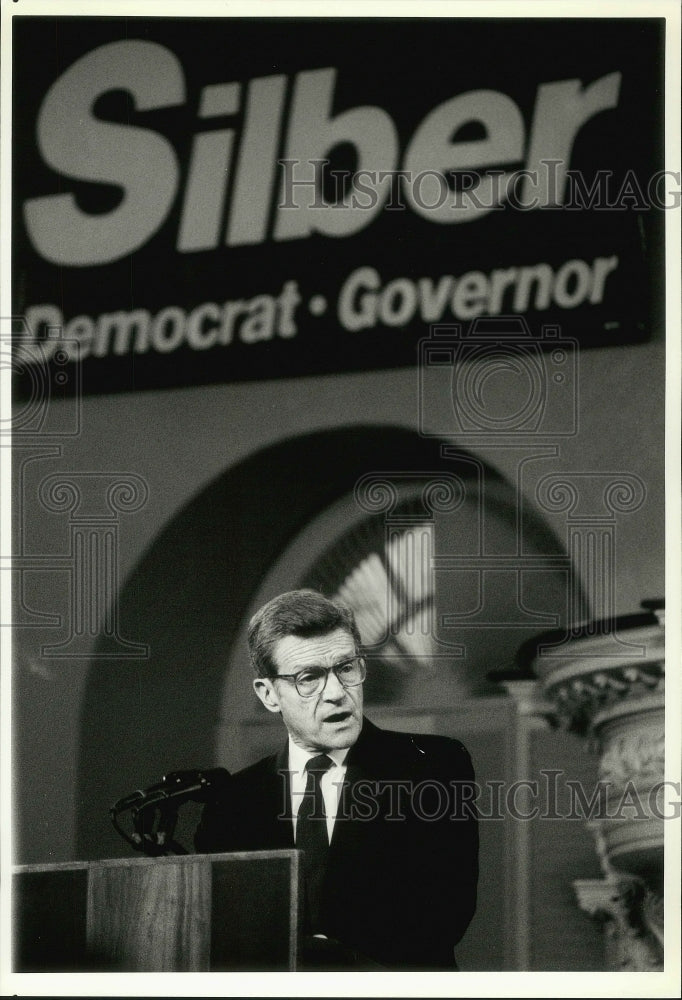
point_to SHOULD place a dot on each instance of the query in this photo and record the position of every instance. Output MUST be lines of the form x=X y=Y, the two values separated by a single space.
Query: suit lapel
x=349 y=833
x=365 y=763
x=346 y=832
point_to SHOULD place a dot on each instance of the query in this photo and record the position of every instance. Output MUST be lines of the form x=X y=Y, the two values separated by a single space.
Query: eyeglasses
x=313 y=680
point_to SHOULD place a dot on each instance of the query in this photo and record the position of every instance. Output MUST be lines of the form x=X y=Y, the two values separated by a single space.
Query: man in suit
x=385 y=820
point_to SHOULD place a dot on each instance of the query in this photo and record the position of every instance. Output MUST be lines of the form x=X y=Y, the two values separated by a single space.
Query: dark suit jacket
x=403 y=863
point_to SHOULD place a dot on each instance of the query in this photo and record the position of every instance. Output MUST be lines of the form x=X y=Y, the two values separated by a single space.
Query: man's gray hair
x=303 y=613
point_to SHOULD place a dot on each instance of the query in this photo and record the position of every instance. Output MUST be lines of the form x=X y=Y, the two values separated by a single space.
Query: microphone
x=197 y=785
x=164 y=800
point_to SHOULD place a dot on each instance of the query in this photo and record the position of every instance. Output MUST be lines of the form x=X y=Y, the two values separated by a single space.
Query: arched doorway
x=272 y=522
x=281 y=519
x=187 y=599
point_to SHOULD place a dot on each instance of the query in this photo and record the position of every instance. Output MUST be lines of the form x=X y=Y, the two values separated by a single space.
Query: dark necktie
x=311 y=835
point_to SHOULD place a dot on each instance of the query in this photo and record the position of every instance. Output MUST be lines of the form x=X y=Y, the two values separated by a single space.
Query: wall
x=88 y=730
x=181 y=440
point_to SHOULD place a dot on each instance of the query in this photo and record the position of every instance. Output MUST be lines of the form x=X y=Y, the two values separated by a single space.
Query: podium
x=189 y=913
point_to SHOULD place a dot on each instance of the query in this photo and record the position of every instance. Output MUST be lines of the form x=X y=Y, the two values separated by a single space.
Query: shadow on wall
x=188 y=597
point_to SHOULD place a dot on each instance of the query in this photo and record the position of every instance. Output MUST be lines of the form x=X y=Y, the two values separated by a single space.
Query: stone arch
x=190 y=593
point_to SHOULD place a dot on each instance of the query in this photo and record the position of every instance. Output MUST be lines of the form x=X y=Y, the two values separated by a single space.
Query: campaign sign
x=202 y=200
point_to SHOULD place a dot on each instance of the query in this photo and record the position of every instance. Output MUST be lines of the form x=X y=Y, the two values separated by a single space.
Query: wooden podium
x=193 y=913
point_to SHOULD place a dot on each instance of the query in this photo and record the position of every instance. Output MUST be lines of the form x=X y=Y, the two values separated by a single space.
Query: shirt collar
x=298 y=757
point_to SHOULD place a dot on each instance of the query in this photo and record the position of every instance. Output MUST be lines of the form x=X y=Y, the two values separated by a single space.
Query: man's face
x=329 y=720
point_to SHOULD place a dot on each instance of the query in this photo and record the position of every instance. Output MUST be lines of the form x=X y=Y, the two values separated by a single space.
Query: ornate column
x=533 y=711
x=617 y=702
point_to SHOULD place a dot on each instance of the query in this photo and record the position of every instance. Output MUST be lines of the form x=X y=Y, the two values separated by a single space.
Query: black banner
x=201 y=200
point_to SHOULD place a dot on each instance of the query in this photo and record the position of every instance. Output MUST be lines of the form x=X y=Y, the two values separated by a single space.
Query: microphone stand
x=154 y=821
x=154 y=811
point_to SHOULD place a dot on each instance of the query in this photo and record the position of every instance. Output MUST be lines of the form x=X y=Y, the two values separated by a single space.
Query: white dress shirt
x=330 y=782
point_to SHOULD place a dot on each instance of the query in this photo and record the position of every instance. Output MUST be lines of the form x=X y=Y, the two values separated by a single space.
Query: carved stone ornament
x=633 y=944
x=610 y=688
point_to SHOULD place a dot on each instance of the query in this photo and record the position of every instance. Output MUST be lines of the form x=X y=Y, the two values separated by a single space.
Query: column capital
x=529 y=698
x=593 y=681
